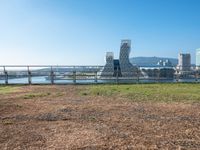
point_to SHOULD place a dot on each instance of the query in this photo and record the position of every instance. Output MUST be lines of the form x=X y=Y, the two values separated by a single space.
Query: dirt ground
x=58 y=117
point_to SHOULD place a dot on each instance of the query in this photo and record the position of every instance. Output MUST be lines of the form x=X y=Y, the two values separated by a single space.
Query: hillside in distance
x=151 y=61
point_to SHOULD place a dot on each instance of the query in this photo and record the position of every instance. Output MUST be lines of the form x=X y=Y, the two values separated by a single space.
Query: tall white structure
x=198 y=58
x=184 y=62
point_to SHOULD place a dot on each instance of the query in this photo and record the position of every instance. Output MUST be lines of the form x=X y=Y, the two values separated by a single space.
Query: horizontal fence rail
x=46 y=74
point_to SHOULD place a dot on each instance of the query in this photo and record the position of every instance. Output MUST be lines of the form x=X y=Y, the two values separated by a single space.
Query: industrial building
x=184 y=62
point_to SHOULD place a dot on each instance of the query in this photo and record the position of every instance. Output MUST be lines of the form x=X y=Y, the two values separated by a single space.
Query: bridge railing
x=93 y=75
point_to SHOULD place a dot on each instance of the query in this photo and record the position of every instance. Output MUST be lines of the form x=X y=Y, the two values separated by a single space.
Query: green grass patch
x=8 y=89
x=147 y=92
x=35 y=95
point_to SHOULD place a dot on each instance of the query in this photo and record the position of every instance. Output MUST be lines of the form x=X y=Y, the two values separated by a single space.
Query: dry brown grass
x=59 y=117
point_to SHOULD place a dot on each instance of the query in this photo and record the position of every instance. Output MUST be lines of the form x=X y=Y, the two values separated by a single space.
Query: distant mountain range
x=151 y=61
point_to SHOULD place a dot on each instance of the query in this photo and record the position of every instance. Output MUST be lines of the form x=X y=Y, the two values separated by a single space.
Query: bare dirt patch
x=59 y=117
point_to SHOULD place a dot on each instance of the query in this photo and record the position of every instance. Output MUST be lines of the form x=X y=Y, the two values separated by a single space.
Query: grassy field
x=148 y=92
x=137 y=116
x=135 y=92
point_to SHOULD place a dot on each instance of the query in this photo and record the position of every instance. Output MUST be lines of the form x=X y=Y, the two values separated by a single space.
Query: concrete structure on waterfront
x=198 y=58
x=120 y=67
x=109 y=67
x=184 y=62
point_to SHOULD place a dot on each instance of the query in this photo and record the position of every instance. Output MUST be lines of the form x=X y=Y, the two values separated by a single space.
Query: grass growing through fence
x=147 y=92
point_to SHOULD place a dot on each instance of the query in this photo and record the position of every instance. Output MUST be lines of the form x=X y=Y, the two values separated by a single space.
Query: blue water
x=42 y=80
x=35 y=80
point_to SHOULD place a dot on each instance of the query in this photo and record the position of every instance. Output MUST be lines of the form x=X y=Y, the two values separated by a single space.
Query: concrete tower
x=127 y=69
x=120 y=67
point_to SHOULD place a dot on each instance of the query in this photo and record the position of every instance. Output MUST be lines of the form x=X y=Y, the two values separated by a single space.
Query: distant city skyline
x=80 y=32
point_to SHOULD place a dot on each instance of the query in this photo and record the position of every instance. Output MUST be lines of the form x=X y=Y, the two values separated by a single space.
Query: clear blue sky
x=79 y=32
